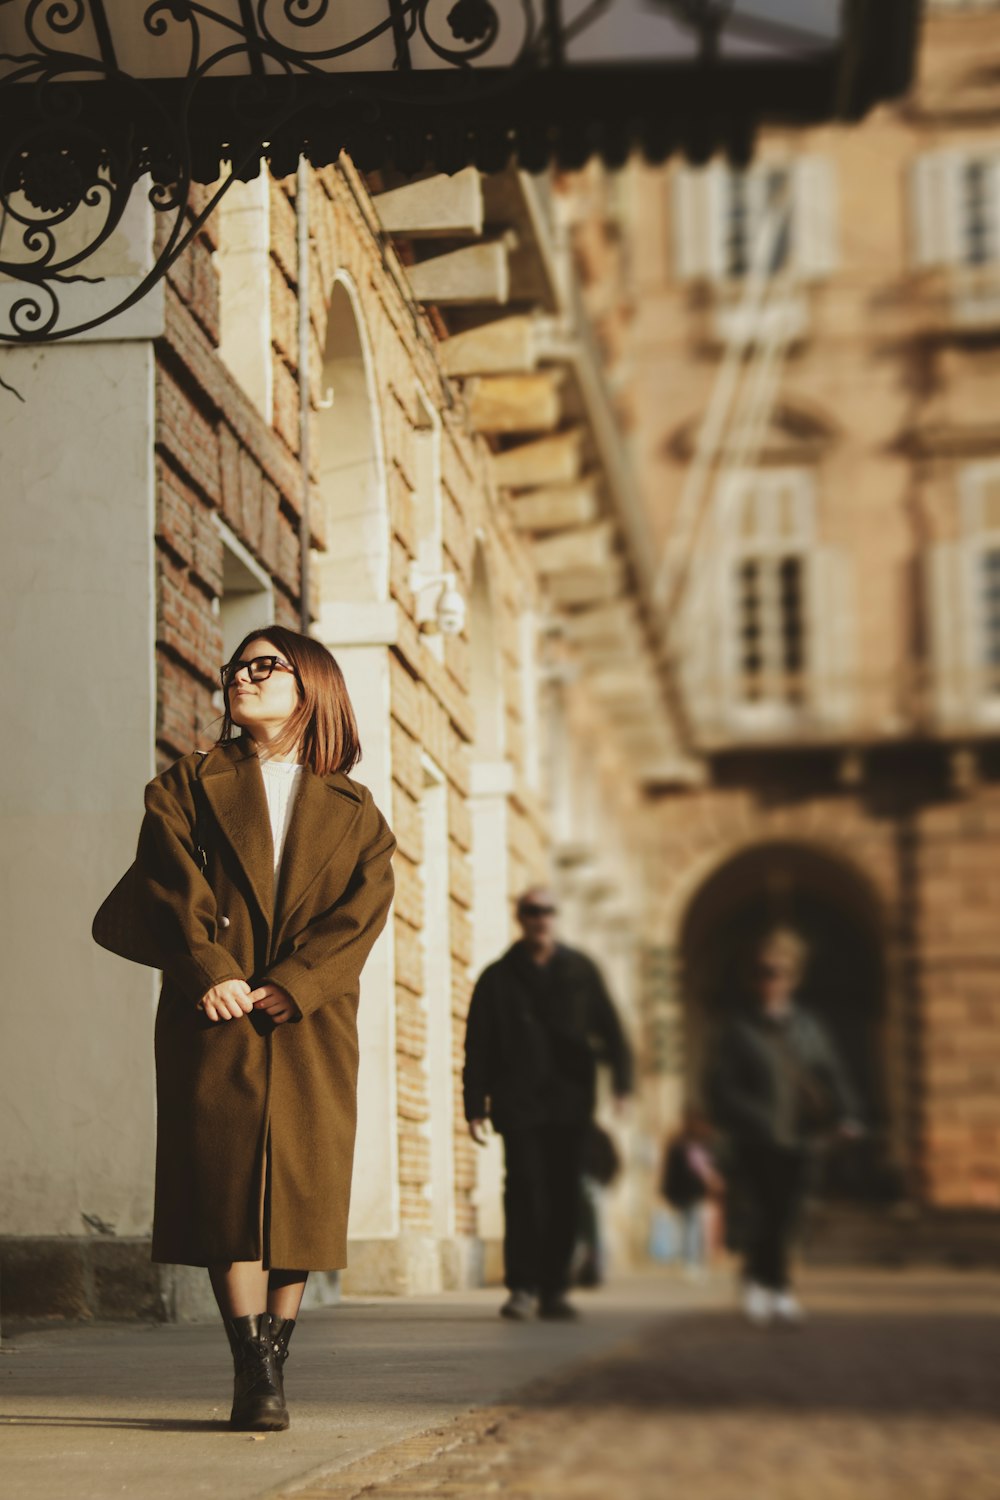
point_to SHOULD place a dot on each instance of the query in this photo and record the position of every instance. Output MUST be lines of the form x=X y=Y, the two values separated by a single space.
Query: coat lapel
x=324 y=810
x=233 y=786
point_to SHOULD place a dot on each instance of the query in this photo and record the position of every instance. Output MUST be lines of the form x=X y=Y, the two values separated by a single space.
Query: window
x=770 y=519
x=988 y=591
x=783 y=210
x=758 y=221
x=964 y=606
x=767 y=632
x=956 y=208
x=981 y=485
x=247 y=598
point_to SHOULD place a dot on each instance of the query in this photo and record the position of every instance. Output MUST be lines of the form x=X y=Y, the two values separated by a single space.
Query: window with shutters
x=758 y=227
x=981 y=501
x=956 y=226
x=963 y=578
x=779 y=217
x=979 y=210
x=768 y=519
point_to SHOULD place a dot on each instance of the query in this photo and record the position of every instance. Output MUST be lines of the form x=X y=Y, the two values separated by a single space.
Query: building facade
x=816 y=432
x=356 y=405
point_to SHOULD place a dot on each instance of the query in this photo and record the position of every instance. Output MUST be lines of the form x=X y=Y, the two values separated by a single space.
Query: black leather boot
x=258 y=1401
x=281 y=1333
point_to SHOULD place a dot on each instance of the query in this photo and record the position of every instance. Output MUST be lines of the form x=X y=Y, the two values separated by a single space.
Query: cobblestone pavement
x=892 y=1390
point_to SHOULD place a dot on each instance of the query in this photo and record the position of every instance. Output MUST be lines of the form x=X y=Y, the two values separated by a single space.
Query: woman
x=693 y=1186
x=777 y=1089
x=261 y=881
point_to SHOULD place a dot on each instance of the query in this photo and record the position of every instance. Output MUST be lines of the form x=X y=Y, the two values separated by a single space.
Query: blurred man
x=776 y=1087
x=540 y=1020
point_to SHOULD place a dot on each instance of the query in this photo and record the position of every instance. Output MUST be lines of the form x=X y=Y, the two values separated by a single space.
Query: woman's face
x=263 y=706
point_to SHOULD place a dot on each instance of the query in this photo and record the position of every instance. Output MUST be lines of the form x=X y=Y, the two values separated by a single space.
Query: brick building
x=814 y=379
x=372 y=392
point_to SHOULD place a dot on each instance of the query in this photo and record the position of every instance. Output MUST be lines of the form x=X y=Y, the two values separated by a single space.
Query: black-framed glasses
x=533 y=910
x=258 y=669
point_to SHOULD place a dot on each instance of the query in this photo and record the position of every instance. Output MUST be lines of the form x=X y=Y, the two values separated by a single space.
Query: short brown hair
x=785 y=943
x=323 y=725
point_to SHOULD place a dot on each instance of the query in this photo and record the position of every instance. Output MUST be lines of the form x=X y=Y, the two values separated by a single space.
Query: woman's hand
x=228 y=1001
x=275 y=1001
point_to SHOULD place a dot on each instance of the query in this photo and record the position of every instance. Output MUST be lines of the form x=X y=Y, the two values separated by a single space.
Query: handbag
x=125 y=923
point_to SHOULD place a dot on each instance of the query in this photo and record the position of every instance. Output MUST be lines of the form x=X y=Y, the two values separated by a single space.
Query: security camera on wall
x=440 y=607
x=450 y=611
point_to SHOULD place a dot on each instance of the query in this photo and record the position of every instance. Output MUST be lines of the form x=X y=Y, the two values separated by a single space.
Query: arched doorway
x=834 y=908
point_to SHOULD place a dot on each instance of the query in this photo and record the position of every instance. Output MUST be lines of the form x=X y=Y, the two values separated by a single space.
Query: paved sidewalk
x=891 y=1392
x=101 y=1411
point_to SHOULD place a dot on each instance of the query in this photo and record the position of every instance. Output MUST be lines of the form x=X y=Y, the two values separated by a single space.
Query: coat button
x=223 y=922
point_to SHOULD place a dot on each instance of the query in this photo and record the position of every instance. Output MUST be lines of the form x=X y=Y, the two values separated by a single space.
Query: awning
x=439 y=83
x=96 y=95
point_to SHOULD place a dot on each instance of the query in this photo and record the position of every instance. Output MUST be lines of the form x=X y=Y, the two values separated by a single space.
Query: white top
x=281 y=782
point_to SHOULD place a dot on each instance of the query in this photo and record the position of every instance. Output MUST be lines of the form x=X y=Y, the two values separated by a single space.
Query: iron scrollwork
x=68 y=172
x=109 y=104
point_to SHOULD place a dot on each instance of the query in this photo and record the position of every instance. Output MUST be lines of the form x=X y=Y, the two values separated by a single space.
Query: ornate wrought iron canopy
x=97 y=96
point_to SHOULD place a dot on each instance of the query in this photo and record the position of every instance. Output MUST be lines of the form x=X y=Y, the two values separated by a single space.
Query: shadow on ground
x=875 y=1363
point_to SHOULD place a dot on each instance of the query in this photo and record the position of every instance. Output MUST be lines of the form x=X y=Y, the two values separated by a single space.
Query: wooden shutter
x=936 y=209
x=830 y=647
x=947 y=635
x=814 y=217
x=699 y=222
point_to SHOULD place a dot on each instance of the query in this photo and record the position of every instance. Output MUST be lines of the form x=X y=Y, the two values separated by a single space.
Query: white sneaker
x=788 y=1309
x=758 y=1304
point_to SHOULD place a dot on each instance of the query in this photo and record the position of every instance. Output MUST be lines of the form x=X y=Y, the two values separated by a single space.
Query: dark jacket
x=748 y=1077
x=534 y=1040
x=233 y=1096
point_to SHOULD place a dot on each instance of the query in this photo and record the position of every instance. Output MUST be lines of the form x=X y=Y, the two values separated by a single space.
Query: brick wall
x=927 y=860
x=218 y=456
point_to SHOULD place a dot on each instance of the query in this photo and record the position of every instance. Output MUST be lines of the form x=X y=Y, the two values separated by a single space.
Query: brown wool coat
x=255 y=1122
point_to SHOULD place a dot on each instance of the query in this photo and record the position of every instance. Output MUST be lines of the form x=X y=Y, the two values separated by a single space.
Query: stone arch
x=350 y=457
x=715 y=857
x=814 y=888
x=356 y=624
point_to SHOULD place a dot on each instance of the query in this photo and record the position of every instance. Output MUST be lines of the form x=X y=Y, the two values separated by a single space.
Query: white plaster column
x=437 y=1001
x=492 y=784
x=359 y=635
x=77 y=614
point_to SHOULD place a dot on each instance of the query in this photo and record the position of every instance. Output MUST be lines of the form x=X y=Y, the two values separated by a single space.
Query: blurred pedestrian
x=600 y=1167
x=261 y=880
x=691 y=1184
x=540 y=1021
x=777 y=1088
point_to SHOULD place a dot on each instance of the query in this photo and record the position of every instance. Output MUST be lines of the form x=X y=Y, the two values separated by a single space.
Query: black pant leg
x=524 y=1208
x=562 y=1157
x=773 y=1179
x=789 y=1188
